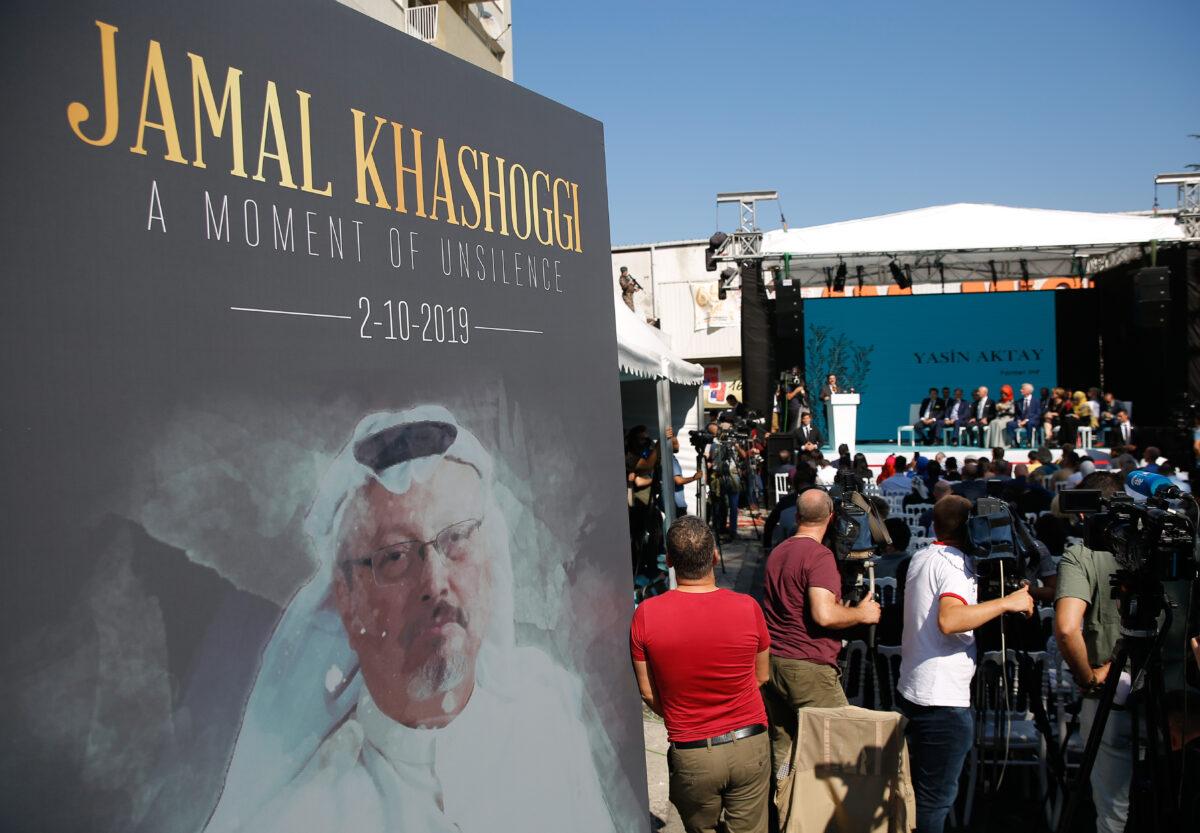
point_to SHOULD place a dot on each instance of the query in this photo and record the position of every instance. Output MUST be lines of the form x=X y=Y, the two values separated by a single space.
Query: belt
x=728 y=737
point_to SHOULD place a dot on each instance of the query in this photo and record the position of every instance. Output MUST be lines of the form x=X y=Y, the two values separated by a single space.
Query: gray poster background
x=159 y=450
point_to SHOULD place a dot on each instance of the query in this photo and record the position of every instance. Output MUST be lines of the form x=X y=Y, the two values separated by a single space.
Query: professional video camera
x=851 y=537
x=700 y=440
x=1152 y=542
x=790 y=379
x=1002 y=546
x=1155 y=539
x=854 y=536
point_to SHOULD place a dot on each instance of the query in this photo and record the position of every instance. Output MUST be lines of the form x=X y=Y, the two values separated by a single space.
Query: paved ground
x=742 y=566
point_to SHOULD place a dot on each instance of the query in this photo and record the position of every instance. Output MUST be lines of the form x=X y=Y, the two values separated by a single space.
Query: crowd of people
x=1052 y=417
x=731 y=676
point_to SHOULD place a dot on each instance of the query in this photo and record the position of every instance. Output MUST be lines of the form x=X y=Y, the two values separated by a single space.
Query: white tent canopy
x=642 y=353
x=969 y=238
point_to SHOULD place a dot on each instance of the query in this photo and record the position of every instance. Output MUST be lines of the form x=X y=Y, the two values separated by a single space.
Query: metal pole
x=653 y=286
x=666 y=457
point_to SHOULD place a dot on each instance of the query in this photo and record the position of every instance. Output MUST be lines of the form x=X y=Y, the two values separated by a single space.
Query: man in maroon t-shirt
x=700 y=655
x=802 y=602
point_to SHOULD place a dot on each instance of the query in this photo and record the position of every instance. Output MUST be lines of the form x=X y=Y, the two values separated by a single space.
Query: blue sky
x=857 y=108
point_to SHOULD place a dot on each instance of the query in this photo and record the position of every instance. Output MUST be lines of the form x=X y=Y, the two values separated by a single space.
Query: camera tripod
x=702 y=507
x=1152 y=800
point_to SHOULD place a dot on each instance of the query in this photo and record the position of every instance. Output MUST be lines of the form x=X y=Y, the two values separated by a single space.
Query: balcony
x=422 y=22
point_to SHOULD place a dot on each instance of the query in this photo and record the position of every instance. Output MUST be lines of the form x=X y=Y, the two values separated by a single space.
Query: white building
x=479 y=32
x=682 y=296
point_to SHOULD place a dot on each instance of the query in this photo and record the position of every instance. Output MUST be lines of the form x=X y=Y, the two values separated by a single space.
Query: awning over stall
x=642 y=354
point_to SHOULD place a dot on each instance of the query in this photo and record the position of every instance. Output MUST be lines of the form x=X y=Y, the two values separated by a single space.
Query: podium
x=841 y=415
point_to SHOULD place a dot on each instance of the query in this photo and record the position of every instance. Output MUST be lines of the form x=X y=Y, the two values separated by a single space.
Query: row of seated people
x=1011 y=420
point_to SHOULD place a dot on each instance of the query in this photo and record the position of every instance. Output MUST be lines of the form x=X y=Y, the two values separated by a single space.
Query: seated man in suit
x=928 y=417
x=954 y=415
x=983 y=411
x=1026 y=416
x=808 y=437
x=1120 y=430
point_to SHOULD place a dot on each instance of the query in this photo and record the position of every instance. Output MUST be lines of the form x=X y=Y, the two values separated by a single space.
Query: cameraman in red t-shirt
x=700 y=655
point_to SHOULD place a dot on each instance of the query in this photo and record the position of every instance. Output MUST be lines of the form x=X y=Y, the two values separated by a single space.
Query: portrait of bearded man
x=391 y=696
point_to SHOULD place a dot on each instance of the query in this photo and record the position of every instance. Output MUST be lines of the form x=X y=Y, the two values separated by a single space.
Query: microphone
x=1149 y=484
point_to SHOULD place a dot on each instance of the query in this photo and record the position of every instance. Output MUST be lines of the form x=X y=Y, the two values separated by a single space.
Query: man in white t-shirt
x=937 y=662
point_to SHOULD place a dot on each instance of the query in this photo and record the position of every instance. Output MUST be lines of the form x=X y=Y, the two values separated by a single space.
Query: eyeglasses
x=396 y=562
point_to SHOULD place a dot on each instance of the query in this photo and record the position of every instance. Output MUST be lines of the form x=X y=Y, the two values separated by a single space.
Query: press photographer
x=792 y=396
x=643 y=483
x=733 y=465
x=941 y=612
x=1121 y=623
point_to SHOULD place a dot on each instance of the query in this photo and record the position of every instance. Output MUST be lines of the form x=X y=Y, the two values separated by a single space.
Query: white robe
x=503 y=764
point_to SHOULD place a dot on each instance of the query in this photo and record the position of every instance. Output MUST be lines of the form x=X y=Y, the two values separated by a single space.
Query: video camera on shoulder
x=850 y=531
x=1001 y=544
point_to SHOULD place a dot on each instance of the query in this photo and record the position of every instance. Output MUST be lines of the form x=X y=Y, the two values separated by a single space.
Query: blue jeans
x=733 y=513
x=939 y=738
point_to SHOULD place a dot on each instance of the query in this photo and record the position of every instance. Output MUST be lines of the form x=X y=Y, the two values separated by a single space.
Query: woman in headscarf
x=920 y=488
x=1005 y=408
x=889 y=468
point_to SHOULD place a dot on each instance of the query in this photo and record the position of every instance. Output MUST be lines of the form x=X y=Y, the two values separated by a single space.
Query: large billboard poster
x=308 y=342
x=893 y=350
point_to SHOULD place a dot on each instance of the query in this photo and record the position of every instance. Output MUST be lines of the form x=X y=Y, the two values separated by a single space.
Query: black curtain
x=1189 y=261
x=1151 y=366
x=1077 y=344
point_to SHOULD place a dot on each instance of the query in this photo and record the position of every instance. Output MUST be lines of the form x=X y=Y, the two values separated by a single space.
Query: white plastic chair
x=1005 y=731
x=895 y=504
x=889 y=660
x=1019 y=435
x=914 y=411
x=1060 y=693
x=781 y=484
x=855 y=672
x=886 y=591
x=918 y=542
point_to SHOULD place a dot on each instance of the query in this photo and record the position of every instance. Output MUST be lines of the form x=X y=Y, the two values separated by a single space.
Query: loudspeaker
x=789 y=311
x=1153 y=284
x=1152 y=289
x=1151 y=314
